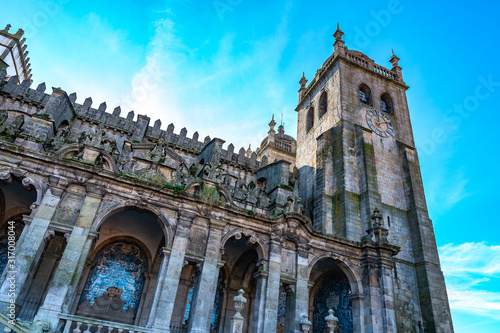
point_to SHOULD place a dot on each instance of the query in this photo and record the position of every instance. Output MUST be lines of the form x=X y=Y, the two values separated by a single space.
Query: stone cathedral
x=110 y=223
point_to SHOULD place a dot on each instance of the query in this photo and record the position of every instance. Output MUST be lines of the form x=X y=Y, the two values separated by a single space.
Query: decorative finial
x=281 y=129
x=303 y=81
x=394 y=60
x=338 y=34
x=331 y=321
x=377 y=217
x=239 y=303
x=7 y=28
x=272 y=123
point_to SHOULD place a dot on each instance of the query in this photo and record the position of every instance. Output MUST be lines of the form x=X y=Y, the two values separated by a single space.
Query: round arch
x=345 y=265
x=28 y=180
x=255 y=239
x=148 y=209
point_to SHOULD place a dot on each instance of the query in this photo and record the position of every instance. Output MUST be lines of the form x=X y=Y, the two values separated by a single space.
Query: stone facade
x=122 y=225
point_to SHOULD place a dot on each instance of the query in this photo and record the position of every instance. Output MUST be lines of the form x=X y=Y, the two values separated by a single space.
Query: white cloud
x=228 y=92
x=470 y=269
x=445 y=188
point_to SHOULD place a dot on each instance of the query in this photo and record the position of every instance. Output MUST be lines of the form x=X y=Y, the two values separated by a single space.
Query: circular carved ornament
x=379 y=123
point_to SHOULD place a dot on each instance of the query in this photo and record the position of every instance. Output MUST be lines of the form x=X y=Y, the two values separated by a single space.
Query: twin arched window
x=322 y=109
x=365 y=97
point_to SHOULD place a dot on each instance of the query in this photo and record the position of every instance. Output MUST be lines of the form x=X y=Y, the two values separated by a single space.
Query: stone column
x=73 y=260
x=27 y=252
x=273 y=288
x=169 y=282
x=204 y=292
x=301 y=297
x=260 y=299
x=165 y=254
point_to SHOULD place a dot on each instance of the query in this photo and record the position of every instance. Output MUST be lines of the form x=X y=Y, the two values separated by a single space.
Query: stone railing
x=384 y=71
x=283 y=146
x=177 y=328
x=360 y=61
x=77 y=324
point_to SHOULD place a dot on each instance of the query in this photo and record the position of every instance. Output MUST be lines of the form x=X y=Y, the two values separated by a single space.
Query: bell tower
x=356 y=154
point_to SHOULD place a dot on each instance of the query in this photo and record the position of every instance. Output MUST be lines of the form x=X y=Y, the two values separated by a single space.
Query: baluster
x=67 y=327
x=7 y=330
x=99 y=328
x=120 y=330
x=88 y=328
x=110 y=329
x=77 y=328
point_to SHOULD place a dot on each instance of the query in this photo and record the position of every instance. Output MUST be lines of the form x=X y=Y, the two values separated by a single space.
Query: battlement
x=55 y=124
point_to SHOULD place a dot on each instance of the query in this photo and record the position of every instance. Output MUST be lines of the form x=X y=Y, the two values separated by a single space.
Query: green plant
x=43 y=116
x=250 y=212
x=210 y=195
x=175 y=188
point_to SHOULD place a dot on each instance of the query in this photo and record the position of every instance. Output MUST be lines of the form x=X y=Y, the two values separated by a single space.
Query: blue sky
x=223 y=67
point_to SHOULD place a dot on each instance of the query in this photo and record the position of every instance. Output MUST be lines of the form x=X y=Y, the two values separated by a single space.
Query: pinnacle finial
x=338 y=34
x=272 y=123
x=303 y=81
x=7 y=28
x=394 y=60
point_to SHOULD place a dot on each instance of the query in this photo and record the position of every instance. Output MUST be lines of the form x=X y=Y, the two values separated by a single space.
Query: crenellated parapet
x=132 y=148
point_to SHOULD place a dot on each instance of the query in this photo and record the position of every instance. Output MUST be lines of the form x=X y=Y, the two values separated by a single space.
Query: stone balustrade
x=78 y=324
x=177 y=328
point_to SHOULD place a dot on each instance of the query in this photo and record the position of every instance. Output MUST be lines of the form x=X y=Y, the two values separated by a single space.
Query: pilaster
x=273 y=287
x=27 y=252
x=204 y=293
x=169 y=282
x=260 y=299
x=62 y=287
x=301 y=297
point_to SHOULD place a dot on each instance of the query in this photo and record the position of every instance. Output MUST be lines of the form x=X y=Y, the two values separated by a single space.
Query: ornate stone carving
x=289 y=230
x=109 y=306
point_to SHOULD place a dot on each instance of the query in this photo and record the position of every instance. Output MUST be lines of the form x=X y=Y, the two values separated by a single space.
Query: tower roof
x=13 y=54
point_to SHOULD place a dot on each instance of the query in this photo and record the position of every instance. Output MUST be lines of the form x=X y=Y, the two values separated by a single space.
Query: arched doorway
x=331 y=291
x=241 y=257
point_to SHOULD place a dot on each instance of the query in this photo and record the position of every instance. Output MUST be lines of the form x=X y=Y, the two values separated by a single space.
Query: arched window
x=119 y=268
x=386 y=103
x=310 y=119
x=365 y=94
x=323 y=104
